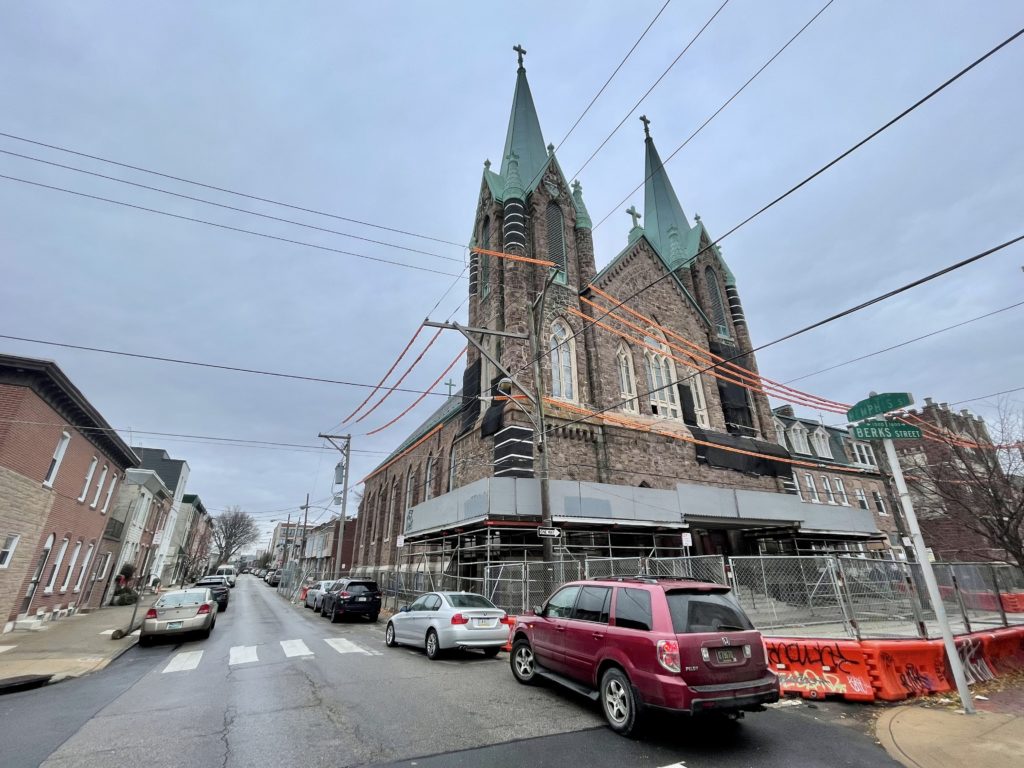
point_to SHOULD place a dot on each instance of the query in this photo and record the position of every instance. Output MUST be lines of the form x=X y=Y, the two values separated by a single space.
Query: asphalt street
x=277 y=685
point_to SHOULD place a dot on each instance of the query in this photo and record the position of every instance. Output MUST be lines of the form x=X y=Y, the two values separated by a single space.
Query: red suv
x=640 y=642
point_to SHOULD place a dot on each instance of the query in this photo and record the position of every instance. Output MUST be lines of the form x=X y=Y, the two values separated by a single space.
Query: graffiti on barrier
x=807 y=654
x=973 y=659
x=857 y=685
x=915 y=681
x=811 y=683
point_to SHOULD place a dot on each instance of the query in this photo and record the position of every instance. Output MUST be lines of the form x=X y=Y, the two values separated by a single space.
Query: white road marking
x=680 y=764
x=136 y=633
x=6 y=647
x=108 y=631
x=341 y=645
x=183 y=662
x=295 y=648
x=243 y=654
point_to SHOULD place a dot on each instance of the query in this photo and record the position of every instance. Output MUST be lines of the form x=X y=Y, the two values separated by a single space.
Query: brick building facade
x=642 y=444
x=60 y=465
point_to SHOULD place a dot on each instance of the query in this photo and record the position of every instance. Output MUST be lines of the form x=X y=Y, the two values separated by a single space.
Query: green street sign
x=876 y=405
x=885 y=430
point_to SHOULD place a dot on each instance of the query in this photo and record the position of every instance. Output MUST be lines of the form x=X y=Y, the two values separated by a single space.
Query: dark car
x=220 y=588
x=635 y=643
x=351 y=597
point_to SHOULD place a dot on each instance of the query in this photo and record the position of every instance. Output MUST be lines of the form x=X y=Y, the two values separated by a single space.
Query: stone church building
x=642 y=447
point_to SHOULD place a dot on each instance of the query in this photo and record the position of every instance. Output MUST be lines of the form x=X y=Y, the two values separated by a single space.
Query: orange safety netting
x=419 y=399
x=514 y=257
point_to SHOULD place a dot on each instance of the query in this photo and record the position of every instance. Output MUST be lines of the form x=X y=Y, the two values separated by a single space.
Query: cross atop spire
x=521 y=51
x=632 y=211
x=647 y=125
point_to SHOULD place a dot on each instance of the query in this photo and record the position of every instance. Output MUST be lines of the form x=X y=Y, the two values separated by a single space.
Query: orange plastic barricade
x=902 y=668
x=818 y=668
x=1004 y=650
x=1013 y=602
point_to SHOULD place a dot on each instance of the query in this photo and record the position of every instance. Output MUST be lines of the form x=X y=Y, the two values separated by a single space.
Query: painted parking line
x=243 y=654
x=341 y=645
x=6 y=647
x=184 y=662
x=108 y=631
x=295 y=648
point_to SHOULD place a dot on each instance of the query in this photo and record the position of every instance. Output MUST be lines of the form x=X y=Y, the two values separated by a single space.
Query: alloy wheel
x=524 y=662
x=616 y=702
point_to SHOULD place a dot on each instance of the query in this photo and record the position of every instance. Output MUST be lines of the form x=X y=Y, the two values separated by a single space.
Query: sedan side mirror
x=404 y=609
x=538 y=610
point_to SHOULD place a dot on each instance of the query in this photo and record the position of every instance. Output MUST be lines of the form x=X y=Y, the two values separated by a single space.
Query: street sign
x=400 y=541
x=885 y=430
x=687 y=539
x=549 y=533
x=876 y=405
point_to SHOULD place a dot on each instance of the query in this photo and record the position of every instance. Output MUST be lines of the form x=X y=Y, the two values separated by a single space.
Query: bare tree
x=233 y=530
x=976 y=481
x=194 y=558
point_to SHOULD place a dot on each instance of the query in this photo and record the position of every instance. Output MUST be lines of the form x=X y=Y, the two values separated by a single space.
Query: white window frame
x=84 y=567
x=108 y=556
x=428 y=478
x=796 y=482
x=71 y=566
x=562 y=356
x=862 y=498
x=822 y=446
x=99 y=486
x=844 y=499
x=48 y=589
x=879 y=504
x=780 y=434
x=7 y=550
x=88 y=479
x=812 y=488
x=864 y=455
x=452 y=466
x=58 y=457
x=798 y=436
x=110 y=493
x=700 y=402
x=627 y=379
x=830 y=497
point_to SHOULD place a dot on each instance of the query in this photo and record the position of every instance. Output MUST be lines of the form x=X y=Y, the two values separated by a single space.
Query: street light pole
x=345 y=449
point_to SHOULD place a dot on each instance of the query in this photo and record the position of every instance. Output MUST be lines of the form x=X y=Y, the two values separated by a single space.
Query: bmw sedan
x=178 y=613
x=315 y=594
x=439 y=621
x=220 y=588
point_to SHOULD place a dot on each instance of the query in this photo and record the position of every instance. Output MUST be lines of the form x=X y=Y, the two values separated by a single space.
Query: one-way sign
x=549 y=533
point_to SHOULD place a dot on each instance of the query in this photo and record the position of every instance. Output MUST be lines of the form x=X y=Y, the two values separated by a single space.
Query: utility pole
x=345 y=450
x=287 y=527
x=305 y=529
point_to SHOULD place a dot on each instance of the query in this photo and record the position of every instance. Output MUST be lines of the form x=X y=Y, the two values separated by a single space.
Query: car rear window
x=705 y=613
x=362 y=587
x=469 y=601
x=176 y=599
x=633 y=609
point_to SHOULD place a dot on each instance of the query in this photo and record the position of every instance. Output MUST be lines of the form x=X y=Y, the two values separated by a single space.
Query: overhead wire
x=402 y=378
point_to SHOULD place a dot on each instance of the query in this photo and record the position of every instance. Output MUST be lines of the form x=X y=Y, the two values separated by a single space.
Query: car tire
x=491 y=652
x=432 y=645
x=524 y=665
x=145 y=641
x=321 y=611
x=389 y=636
x=334 y=614
x=619 y=702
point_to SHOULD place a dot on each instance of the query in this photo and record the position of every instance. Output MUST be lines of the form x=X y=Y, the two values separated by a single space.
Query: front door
x=585 y=633
x=36 y=576
x=549 y=629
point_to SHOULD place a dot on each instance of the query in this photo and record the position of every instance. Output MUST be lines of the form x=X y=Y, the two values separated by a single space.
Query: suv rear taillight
x=668 y=655
x=344 y=594
x=204 y=608
x=458 y=618
x=151 y=613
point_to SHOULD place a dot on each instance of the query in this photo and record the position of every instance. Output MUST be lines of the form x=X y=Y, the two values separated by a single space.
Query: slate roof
x=837 y=438
x=160 y=462
x=448 y=410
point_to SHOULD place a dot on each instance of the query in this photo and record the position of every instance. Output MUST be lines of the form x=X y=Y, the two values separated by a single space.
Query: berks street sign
x=885 y=430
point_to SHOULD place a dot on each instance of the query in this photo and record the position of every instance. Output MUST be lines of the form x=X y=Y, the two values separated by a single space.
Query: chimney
x=786 y=410
x=928 y=401
x=944 y=406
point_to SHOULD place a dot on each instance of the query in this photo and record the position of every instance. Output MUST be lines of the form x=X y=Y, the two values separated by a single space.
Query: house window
x=88 y=479
x=862 y=499
x=715 y=299
x=556 y=237
x=662 y=386
x=451 y=468
x=796 y=484
x=812 y=489
x=821 y=443
x=829 y=496
x=879 y=503
x=798 y=435
x=110 y=492
x=106 y=565
x=392 y=508
x=780 y=433
x=627 y=379
x=410 y=489
x=563 y=362
x=58 y=457
x=428 y=478
x=84 y=568
x=48 y=589
x=99 y=487
x=71 y=566
x=10 y=542
x=841 y=491
x=485 y=260
x=864 y=455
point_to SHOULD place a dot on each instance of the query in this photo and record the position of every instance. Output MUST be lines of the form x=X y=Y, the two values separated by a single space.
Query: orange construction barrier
x=1004 y=650
x=818 y=668
x=903 y=668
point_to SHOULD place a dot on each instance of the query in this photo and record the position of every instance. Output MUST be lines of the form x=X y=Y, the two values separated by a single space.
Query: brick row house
x=60 y=466
x=642 y=445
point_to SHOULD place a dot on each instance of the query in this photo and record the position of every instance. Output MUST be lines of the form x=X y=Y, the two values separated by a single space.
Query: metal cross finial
x=451 y=385
x=521 y=51
x=632 y=211
x=647 y=125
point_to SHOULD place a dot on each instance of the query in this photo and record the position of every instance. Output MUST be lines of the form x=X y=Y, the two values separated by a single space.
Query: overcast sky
x=384 y=112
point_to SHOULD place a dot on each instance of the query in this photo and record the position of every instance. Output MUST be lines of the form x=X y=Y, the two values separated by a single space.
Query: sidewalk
x=70 y=647
x=929 y=737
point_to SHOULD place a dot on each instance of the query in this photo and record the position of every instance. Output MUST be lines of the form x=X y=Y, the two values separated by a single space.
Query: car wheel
x=389 y=636
x=373 y=617
x=619 y=702
x=334 y=614
x=322 y=606
x=493 y=651
x=433 y=645
x=145 y=641
x=524 y=665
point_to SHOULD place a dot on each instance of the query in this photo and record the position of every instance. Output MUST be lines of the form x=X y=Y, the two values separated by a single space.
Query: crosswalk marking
x=295 y=648
x=6 y=647
x=243 y=654
x=341 y=645
x=108 y=632
x=183 y=662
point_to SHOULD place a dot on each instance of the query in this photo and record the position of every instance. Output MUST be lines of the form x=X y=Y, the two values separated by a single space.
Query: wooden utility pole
x=345 y=450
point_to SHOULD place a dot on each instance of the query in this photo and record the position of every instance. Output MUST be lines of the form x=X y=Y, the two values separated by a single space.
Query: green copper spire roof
x=582 y=215
x=524 y=137
x=665 y=224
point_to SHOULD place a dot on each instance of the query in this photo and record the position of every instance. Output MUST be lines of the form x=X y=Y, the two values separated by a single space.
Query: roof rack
x=646 y=578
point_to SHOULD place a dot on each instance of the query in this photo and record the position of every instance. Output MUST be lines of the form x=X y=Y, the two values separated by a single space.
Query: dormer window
x=822 y=445
x=780 y=433
x=863 y=455
x=798 y=436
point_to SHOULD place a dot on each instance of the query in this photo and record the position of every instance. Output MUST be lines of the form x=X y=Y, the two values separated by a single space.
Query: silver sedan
x=315 y=594
x=438 y=621
x=180 y=612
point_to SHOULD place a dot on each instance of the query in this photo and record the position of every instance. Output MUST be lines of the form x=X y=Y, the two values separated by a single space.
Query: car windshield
x=469 y=601
x=705 y=612
x=176 y=599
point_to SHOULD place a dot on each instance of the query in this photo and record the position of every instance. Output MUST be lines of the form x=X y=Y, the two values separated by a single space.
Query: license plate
x=360 y=599
x=486 y=623
x=174 y=625
x=726 y=655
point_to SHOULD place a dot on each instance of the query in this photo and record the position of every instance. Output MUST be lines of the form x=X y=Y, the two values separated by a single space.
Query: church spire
x=524 y=137
x=665 y=224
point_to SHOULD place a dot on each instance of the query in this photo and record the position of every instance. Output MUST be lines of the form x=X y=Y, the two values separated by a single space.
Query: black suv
x=352 y=597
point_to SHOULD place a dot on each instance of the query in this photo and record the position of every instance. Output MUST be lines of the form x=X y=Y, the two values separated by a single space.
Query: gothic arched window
x=451 y=468
x=715 y=299
x=556 y=236
x=627 y=379
x=661 y=377
x=485 y=260
x=563 y=362
x=428 y=478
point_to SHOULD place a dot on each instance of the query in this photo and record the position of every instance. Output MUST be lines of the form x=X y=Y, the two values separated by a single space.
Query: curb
x=29 y=682
x=883 y=732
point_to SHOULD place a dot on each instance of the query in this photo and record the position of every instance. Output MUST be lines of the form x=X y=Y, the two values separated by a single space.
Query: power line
x=231 y=191
x=225 y=226
x=905 y=343
x=986 y=397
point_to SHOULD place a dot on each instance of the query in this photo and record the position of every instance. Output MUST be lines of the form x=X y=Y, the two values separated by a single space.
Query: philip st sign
x=885 y=430
x=876 y=405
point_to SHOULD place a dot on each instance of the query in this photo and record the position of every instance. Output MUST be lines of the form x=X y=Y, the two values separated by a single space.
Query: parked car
x=439 y=621
x=274 y=578
x=178 y=613
x=267 y=575
x=315 y=594
x=229 y=572
x=351 y=597
x=639 y=642
x=220 y=588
